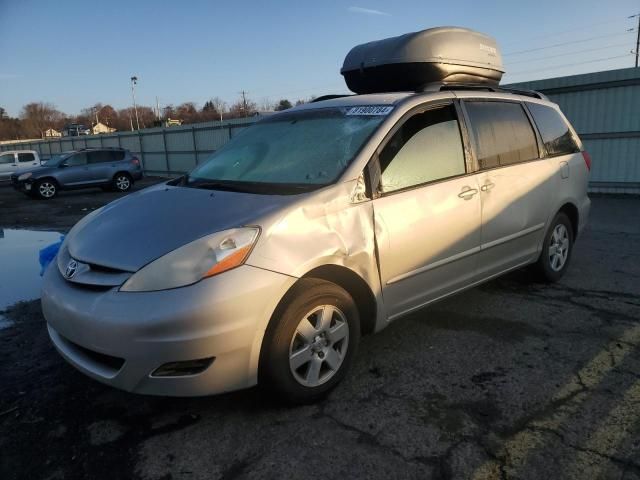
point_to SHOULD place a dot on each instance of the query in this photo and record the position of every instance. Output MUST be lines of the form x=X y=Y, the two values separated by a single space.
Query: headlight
x=24 y=176
x=205 y=257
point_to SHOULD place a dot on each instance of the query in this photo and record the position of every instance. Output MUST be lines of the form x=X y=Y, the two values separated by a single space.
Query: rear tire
x=310 y=342
x=122 y=182
x=45 y=189
x=556 y=250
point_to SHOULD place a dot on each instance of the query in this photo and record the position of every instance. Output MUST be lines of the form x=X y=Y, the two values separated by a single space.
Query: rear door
x=516 y=183
x=8 y=165
x=101 y=164
x=426 y=210
x=27 y=160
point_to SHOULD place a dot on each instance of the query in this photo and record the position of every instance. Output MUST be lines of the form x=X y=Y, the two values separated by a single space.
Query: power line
x=567 y=53
x=572 y=42
x=555 y=67
x=563 y=32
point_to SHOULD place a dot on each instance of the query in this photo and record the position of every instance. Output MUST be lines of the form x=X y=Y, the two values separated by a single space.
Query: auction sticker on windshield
x=370 y=110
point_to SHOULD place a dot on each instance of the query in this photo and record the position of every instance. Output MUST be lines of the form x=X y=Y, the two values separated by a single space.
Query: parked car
x=75 y=130
x=12 y=161
x=313 y=227
x=109 y=168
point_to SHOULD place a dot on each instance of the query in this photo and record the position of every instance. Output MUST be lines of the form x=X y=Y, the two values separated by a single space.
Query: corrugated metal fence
x=163 y=151
x=604 y=108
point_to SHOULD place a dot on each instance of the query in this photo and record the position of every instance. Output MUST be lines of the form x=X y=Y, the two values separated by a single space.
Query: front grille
x=91 y=275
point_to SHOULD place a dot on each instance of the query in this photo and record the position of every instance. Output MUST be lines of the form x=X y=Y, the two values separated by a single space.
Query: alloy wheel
x=123 y=183
x=47 y=189
x=558 y=247
x=319 y=345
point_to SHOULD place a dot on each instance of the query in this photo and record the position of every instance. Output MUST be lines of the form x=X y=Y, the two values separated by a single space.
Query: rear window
x=104 y=156
x=26 y=157
x=553 y=129
x=502 y=133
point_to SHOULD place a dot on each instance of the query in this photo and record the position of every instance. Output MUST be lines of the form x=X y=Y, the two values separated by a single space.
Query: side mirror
x=63 y=165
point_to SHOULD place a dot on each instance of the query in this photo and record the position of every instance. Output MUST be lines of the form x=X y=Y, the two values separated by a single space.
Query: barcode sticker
x=370 y=110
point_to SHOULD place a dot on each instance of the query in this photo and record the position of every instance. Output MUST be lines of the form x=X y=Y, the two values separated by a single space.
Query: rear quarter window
x=502 y=134
x=553 y=129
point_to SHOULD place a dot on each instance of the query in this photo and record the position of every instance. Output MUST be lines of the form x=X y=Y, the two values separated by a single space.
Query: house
x=51 y=132
x=102 y=128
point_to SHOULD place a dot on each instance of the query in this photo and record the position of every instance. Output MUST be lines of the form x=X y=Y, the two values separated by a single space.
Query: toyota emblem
x=72 y=267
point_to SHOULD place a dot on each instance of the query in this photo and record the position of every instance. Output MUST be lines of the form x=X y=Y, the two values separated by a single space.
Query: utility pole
x=637 y=38
x=134 y=81
x=245 y=105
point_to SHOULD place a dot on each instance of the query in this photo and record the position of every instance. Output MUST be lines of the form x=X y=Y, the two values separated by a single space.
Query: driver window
x=426 y=148
x=77 y=159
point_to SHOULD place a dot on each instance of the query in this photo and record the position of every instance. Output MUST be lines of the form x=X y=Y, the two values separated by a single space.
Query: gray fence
x=162 y=151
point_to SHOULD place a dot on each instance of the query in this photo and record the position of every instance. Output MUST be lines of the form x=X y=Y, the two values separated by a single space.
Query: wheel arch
x=122 y=172
x=356 y=286
x=571 y=211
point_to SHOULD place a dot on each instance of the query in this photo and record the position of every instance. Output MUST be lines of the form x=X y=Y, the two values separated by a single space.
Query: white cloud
x=368 y=11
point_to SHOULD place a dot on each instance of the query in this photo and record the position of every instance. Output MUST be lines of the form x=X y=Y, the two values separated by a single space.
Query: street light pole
x=134 y=81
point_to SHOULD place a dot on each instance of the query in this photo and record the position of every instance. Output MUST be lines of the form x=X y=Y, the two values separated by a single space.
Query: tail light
x=587 y=159
x=135 y=161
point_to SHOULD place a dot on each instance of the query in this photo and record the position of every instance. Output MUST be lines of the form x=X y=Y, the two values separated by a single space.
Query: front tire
x=310 y=342
x=45 y=189
x=556 y=249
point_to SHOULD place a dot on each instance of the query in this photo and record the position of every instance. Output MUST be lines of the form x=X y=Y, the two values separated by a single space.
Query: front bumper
x=120 y=338
x=22 y=186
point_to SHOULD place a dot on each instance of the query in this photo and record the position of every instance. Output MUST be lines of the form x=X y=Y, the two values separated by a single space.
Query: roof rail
x=97 y=148
x=330 y=97
x=489 y=88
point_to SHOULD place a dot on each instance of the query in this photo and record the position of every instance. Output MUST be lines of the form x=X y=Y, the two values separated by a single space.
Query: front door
x=74 y=170
x=427 y=211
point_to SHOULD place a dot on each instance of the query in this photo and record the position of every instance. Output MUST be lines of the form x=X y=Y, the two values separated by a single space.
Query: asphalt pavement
x=512 y=379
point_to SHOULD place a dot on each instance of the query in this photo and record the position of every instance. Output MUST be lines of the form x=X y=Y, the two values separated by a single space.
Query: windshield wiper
x=220 y=185
x=262 y=188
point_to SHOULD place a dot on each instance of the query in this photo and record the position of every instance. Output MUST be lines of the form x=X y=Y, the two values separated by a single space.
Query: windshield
x=55 y=159
x=296 y=151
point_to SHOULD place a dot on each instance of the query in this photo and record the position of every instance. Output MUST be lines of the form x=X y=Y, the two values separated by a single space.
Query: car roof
x=435 y=91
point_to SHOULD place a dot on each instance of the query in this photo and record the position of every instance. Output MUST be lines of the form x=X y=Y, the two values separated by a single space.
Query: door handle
x=487 y=186
x=467 y=193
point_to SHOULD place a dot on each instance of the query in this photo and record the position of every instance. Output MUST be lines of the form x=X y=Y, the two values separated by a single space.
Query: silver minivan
x=320 y=224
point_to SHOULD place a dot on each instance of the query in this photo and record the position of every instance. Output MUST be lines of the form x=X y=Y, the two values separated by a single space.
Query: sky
x=77 y=53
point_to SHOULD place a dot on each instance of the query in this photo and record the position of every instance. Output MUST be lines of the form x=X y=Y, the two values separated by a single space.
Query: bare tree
x=39 y=116
x=266 y=105
x=243 y=107
x=213 y=109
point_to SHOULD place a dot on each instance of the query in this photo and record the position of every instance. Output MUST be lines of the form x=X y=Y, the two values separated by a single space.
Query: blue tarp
x=48 y=253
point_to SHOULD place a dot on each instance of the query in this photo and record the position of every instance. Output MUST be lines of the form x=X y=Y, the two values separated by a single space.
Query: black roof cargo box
x=412 y=61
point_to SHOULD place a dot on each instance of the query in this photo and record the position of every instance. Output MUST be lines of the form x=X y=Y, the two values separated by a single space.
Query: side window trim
x=539 y=143
x=372 y=170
